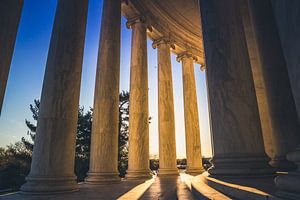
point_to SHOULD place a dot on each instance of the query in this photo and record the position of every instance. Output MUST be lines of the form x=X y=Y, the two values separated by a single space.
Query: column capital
x=125 y=1
x=186 y=54
x=202 y=67
x=163 y=40
x=135 y=19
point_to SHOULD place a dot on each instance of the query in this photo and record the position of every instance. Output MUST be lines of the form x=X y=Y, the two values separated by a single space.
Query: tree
x=154 y=163
x=83 y=143
x=34 y=108
x=15 y=160
x=14 y=165
x=123 y=132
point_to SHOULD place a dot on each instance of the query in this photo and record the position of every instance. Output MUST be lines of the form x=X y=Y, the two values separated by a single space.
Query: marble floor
x=154 y=189
x=168 y=188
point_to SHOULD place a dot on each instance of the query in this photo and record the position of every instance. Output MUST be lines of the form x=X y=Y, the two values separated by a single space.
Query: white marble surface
x=104 y=140
x=282 y=109
x=259 y=84
x=191 y=119
x=166 y=120
x=9 y=21
x=138 y=161
x=235 y=125
x=52 y=168
x=287 y=16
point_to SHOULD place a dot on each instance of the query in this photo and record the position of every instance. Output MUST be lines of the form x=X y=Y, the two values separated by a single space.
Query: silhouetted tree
x=34 y=108
x=83 y=143
x=154 y=163
x=14 y=165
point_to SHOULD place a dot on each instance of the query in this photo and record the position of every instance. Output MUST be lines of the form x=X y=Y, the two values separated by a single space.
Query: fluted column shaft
x=287 y=14
x=238 y=147
x=191 y=118
x=52 y=168
x=138 y=158
x=282 y=108
x=259 y=84
x=104 y=139
x=166 y=119
x=10 y=13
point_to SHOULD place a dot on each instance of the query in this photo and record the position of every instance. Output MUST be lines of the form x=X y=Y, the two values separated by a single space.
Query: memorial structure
x=249 y=51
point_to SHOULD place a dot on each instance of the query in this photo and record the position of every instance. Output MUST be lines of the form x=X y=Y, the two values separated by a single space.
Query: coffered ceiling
x=178 y=20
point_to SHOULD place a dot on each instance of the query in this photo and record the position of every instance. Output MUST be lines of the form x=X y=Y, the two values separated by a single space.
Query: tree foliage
x=83 y=143
x=123 y=132
x=14 y=165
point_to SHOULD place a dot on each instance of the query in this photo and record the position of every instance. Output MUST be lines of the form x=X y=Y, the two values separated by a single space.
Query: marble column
x=289 y=184
x=258 y=78
x=166 y=118
x=138 y=158
x=52 y=168
x=191 y=117
x=238 y=148
x=287 y=14
x=104 y=139
x=282 y=108
x=10 y=13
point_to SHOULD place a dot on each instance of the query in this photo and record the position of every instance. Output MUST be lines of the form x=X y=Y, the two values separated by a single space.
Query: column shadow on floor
x=162 y=188
x=168 y=188
x=86 y=192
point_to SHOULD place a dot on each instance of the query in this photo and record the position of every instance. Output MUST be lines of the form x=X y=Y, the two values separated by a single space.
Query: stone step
x=200 y=188
x=244 y=188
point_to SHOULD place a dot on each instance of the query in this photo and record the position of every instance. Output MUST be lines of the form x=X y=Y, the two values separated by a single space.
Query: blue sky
x=28 y=66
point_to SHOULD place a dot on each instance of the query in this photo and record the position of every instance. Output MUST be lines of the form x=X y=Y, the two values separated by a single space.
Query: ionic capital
x=136 y=19
x=125 y=2
x=202 y=67
x=186 y=54
x=163 y=40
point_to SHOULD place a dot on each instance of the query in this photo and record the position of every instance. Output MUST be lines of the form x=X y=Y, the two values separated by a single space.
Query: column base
x=241 y=167
x=49 y=185
x=102 y=178
x=194 y=171
x=168 y=172
x=138 y=174
x=289 y=186
x=282 y=164
x=281 y=195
